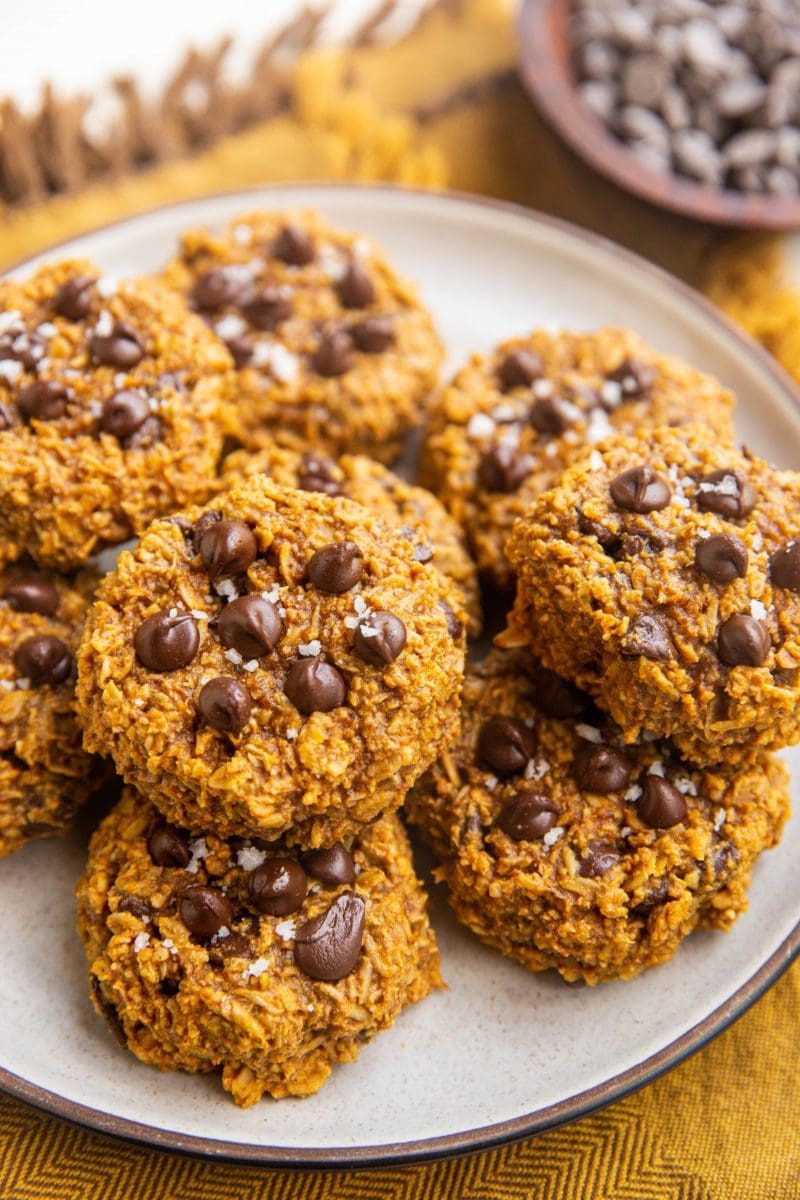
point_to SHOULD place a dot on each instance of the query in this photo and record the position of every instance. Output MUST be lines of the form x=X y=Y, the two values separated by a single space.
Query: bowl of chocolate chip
x=693 y=105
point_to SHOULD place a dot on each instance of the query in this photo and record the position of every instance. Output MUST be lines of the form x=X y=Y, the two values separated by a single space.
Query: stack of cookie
x=614 y=781
x=112 y=409
x=268 y=673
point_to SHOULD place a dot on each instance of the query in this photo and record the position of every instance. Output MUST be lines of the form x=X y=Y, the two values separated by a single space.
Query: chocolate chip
x=278 y=887
x=241 y=349
x=640 y=490
x=503 y=468
x=601 y=769
x=5 y=418
x=167 y=641
x=722 y=557
x=43 y=659
x=218 y=287
x=598 y=857
x=656 y=894
x=167 y=845
x=44 y=400
x=135 y=906
x=606 y=537
x=743 y=641
x=32 y=593
x=334 y=354
x=505 y=746
x=660 y=804
x=23 y=347
x=225 y=704
x=250 y=625
x=519 y=368
x=316 y=475
x=355 y=289
x=648 y=635
x=227 y=548
x=204 y=910
x=334 y=865
x=73 y=299
x=314 y=686
x=124 y=413
x=634 y=377
x=373 y=335
x=121 y=348
x=727 y=493
x=528 y=817
x=784 y=567
x=379 y=639
x=235 y=945
x=329 y=946
x=202 y=525
x=556 y=696
x=267 y=308
x=336 y=568
x=552 y=415
x=454 y=627
x=294 y=246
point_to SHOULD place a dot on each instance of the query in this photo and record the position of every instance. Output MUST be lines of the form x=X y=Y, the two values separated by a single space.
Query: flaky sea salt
x=542 y=389
x=198 y=850
x=105 y=324
x=168 y=944
x=657 y=768
x=504 y=412
x=272 y=593
x=310 y=649
x=537 y=768
x=286 y=929
x=47 y=329
x=140 y=941
x=757 y=610
x=198 y=614
x=633 y=793
x=283 y=365
x=684 y=785
x=291 y=734
x=552 y=835
x=230 y=326
x=727 y=486
x=234 y=657
x=254 y=969
x=250 y=857
x=9 y=320
x=589 y=733
x=251 y=665
x=7 y=685
x=598 y=426
x=611 y=393
x=368 y=631
x=720 y=817
x=10 y=370
x=226 y=588
x=596 y=460
x=480 y=425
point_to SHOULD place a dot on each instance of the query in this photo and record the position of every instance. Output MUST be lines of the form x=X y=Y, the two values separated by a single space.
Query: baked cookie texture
x=210 y=955
x=511 y=422
x=563 y=847
x=662 y=575
x=112 y=407
x=332 y=346
x=279 y=663
x=45 y=774
x=435 y=535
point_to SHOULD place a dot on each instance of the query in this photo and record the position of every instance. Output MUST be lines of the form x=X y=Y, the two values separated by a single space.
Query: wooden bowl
x=546 y=70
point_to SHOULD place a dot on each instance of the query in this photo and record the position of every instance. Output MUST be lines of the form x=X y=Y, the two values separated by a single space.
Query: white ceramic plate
x=502 y=1053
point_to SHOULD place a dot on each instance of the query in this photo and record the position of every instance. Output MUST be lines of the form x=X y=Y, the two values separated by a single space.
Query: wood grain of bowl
x=547 y=73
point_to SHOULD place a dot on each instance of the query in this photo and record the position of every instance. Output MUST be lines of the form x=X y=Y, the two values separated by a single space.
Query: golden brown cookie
x=333 y=348
x=563 y=847
x=424 y=520
x=45 y=775
x=112 y=406
x=663 y=576
x=209 y=955
x=278 y=662
x=509 y=423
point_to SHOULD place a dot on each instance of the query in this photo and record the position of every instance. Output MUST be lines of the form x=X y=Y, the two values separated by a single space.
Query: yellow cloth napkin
x=443 y=108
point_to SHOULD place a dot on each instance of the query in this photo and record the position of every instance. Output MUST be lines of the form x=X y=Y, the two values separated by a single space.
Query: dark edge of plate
x=573 y=1108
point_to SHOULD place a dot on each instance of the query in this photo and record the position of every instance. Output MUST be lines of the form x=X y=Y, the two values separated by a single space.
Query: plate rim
x=617 y=1087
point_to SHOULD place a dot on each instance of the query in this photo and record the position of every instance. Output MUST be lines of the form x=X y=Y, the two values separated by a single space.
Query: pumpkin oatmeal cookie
x=45 y=775
x=424 y=521
x=112 y=405
x=332 y=347
x=211 y=955
x=512 y=421
x=663 y=576
x=276 y=663
x=563 y=847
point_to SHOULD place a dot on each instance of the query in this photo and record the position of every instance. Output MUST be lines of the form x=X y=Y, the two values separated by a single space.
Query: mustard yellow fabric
x=443 y=108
